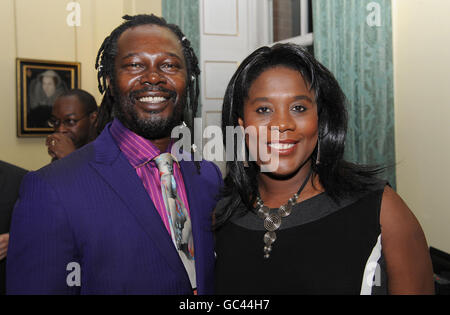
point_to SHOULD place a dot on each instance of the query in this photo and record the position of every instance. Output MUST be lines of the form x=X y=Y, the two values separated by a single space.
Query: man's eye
x=70 y=122
x=134 y=65
x=169 y=66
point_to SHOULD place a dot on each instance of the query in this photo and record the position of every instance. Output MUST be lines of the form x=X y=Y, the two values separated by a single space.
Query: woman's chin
x=281 y=170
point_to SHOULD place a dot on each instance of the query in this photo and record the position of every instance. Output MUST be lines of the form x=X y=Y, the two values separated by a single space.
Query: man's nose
x=152 y=77
x=61 y=128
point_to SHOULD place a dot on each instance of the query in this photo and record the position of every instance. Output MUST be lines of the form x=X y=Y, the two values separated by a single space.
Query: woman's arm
x=405 y=248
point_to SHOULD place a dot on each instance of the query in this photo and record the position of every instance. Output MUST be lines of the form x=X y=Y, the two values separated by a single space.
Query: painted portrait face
x=48 y=85
x=150 y=80
x=281 y=105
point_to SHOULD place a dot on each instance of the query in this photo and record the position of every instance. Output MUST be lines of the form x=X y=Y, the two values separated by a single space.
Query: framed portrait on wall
x=39 y=83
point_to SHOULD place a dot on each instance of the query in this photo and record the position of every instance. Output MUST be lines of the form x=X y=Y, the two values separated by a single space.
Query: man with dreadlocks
x=122 y=215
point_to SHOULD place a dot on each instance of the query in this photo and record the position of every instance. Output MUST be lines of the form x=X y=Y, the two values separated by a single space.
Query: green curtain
x=353 y=38
x=185 y=14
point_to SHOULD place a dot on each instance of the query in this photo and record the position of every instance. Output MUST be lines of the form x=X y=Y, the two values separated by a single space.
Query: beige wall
x=422 y=112
x=37 y=29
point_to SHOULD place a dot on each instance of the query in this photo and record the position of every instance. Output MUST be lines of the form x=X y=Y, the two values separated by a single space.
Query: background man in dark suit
x=10 y=179
x=73 y=120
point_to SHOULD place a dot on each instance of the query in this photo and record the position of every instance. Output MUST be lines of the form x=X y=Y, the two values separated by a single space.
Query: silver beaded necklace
x=272 y=218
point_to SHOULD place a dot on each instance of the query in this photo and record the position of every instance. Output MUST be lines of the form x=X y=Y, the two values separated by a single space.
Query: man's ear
x=108 y=86
x=93 y=117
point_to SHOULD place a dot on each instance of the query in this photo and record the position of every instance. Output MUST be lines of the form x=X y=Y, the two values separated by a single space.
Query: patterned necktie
x=179 y=220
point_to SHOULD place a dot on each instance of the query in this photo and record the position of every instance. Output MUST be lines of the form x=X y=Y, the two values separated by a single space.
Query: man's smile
x=153 y=96
x=152 y=99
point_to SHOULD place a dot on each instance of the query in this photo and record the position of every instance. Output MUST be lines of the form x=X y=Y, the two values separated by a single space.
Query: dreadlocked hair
x=104 y=64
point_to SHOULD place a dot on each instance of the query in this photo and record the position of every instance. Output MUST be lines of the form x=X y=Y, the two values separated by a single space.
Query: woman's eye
x=298 y=108
x=263 y=110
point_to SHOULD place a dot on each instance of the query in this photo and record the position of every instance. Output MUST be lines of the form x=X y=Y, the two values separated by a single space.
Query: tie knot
x=164 y=162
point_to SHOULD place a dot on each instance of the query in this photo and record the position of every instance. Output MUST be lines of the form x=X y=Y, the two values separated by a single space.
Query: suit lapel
x=114 y=168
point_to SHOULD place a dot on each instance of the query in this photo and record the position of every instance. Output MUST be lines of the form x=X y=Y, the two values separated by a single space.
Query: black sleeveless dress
x=321 y=248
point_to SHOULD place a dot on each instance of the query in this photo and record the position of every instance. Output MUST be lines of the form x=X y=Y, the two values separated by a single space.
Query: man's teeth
x=151 y=99
x=281 y=146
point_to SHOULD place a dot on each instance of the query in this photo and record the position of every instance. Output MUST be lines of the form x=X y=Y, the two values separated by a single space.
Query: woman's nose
x=283 y=121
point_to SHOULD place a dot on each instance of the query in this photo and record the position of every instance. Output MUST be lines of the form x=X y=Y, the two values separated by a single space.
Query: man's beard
x=153 y=127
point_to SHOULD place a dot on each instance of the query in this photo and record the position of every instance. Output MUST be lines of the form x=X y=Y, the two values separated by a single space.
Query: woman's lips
x=283 y=148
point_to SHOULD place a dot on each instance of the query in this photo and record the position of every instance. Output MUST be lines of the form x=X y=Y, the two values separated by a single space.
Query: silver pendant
x=272 y=222
x=270 y=238
x=263 y=212
x=285 y=210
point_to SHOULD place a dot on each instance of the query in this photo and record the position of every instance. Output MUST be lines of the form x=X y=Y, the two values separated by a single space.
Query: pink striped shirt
x=140 y=152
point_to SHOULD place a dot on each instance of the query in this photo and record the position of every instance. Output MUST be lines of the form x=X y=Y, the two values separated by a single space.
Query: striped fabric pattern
x=140 y=152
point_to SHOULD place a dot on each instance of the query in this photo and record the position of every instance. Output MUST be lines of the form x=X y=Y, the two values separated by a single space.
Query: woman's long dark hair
x=338 y=177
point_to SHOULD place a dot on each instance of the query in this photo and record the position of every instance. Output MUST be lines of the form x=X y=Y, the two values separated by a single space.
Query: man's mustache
x=152 y=88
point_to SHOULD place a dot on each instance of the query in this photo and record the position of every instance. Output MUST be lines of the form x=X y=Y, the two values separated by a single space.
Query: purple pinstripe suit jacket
x=91 y=209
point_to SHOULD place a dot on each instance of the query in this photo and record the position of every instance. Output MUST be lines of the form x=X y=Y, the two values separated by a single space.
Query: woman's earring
x=245 y=161
x=318 y=153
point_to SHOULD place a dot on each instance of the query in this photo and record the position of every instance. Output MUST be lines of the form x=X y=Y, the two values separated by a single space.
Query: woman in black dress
x=306 y=221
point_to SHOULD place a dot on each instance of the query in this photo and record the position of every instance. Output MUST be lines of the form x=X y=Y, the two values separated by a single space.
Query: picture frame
x=39 y=83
